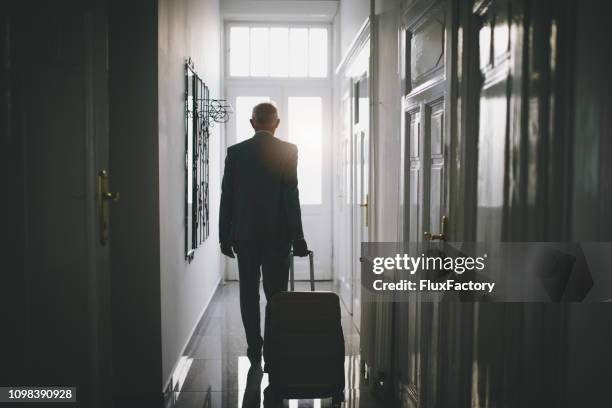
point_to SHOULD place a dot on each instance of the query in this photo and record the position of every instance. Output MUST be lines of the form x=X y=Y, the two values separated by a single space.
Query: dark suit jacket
x=259 y=193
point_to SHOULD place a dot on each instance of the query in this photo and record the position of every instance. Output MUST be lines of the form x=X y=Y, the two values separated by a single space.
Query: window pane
x=259 y=51
x=279 y=52
x=318 y=52
x=306 y=131
x=298 y=52
x=244 y=108
x=239 y=51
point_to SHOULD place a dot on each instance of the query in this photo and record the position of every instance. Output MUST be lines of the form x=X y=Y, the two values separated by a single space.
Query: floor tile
x=204 y=375
x=220 y=375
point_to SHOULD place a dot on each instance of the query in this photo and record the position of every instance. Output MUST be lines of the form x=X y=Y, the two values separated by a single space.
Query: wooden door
x=522 y=191
x=361 y=181
x=56 y=142
x=426 y=141
x=343 y=209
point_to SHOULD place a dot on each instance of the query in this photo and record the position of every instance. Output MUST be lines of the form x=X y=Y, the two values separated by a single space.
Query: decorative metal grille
x=201 y=111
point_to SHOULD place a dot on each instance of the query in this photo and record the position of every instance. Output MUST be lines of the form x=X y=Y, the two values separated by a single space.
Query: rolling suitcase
x=306 y=343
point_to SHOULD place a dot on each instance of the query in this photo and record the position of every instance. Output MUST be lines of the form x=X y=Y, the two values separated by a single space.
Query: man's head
x=265 y=117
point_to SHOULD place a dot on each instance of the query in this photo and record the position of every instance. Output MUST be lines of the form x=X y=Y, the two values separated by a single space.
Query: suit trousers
x=257 y=259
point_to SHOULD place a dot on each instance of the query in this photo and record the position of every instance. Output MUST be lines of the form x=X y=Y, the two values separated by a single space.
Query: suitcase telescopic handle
x=292 y=271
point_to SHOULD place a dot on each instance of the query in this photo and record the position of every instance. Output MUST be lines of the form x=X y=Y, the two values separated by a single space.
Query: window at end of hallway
x=295 y=52
x=306 y=131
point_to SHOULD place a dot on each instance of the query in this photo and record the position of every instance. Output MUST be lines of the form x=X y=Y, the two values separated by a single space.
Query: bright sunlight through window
x=306 y=131
x=295 y=52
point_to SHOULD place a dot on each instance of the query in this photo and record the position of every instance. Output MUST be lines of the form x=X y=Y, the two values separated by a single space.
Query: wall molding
x=363 y=35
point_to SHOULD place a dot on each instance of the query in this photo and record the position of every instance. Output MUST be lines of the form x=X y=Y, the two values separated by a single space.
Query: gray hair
x=265 y=113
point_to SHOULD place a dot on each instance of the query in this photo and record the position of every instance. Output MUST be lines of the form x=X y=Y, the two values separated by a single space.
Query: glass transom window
x=278 y=52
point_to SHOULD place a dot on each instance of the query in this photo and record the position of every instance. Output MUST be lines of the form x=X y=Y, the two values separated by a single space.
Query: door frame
x=361 y=169
x=280 y=90
x=342 y=195
x=358 y=55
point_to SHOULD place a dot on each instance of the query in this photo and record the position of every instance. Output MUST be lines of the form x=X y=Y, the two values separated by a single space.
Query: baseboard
x=168 y=386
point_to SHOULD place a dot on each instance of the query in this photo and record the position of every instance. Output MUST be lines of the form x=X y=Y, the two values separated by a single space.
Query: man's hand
x=300 y=248
x=227 y=248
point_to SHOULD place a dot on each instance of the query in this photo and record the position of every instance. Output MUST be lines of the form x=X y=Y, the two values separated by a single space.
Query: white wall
x=386 y=132
x=187 y=28
x=351 y=15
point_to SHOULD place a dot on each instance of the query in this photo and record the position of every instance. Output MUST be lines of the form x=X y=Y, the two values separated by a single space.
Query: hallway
x=432 y=125
x=217 y=372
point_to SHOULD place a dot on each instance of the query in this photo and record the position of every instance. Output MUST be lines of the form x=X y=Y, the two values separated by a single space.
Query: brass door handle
x=365 y=205
x=104 y=196
x=434 y=237
x=442 y=235
x=112 y=196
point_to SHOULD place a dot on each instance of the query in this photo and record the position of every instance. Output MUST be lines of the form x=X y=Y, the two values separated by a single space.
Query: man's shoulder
x=249 y=144
x=238 y=146
x=287 y=146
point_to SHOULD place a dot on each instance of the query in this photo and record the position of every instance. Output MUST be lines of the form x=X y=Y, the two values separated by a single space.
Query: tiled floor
x=217 y=373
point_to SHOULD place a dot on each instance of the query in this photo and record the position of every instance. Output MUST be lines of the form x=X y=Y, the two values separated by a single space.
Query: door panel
x=308 y=125
x=361 y=174
x=55 y=117
x=437 y=173
x=305 y=121
x=415 y=176
x=342 y=245
x=419 y=324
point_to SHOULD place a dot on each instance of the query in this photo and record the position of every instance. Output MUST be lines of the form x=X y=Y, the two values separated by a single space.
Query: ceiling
x=279 y=10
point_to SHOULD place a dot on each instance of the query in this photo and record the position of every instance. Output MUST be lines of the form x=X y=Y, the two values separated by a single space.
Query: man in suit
x=260 y=217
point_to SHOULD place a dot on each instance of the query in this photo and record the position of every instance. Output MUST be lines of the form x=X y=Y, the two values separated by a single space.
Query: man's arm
x=292 y=197
x=227 y=200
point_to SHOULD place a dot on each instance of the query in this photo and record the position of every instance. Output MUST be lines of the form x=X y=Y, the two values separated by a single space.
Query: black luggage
x=306 y=343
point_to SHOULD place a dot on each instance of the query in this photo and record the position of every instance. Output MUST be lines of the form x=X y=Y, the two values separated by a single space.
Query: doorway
x=54 y=116
x=288 y=65
x=305 y=121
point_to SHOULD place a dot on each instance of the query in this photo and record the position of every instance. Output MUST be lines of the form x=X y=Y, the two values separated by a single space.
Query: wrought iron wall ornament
x=210 y=109
x=217 y=110
x=201 y=111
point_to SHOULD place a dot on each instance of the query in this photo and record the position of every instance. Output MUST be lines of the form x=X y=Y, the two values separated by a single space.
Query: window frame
x=271 y=24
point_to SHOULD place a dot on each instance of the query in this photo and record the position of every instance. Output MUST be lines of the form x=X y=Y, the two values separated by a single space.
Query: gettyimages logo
x=486 y=271
x=442 y=267
x=413 y=264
